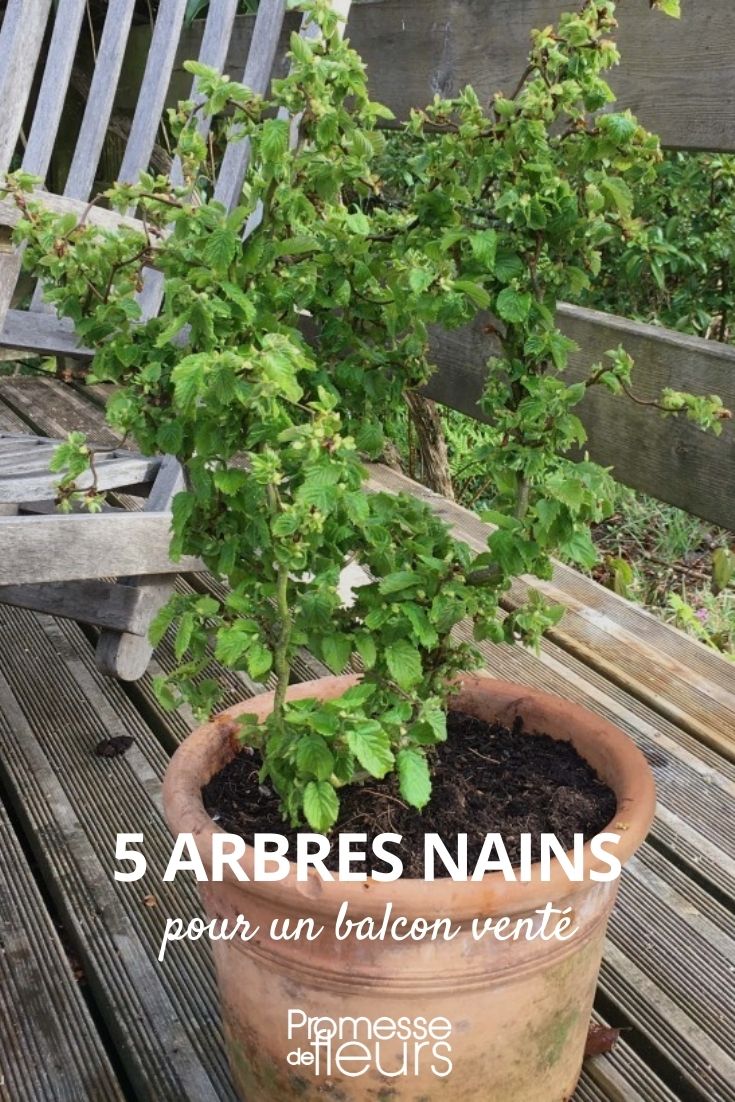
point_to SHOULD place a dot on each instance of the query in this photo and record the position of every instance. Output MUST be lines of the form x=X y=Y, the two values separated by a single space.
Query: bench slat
x=213 y=52
x=99 y=102
x=73 y=547
x=153 y=90
x=52 y=93
x=21 y=39
x=257 y=75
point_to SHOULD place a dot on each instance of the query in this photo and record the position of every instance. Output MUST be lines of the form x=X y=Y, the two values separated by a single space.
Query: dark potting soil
x=486 y=779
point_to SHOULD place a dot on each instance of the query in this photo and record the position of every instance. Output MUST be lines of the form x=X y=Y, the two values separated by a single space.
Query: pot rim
x=609 y=750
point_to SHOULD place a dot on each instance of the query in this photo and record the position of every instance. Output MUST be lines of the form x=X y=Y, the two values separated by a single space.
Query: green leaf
x=508 y=266
x=414 y=777
x=314 y=756
x=232 y=643
x=274 y=140
x=358 y=223
x=220 y=249
x=336 y=651
x=669 y=7
x=484 y=247
x=371 y=746
x=474 y=292
x=230 y=480
x=183 y=635
x=404 y=663
x=188 y=380
x=618 y=195
x=280 y=369
x=580 y=549
x=161 y=623
x=370 y=438
x=399 y=581
x=170 y=437
x=260 y=661
x=367 y=650
x=321 y=806
x=723 y=568
x=513 y=306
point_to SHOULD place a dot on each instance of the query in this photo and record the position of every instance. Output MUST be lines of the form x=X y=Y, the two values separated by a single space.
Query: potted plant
x=278 y=362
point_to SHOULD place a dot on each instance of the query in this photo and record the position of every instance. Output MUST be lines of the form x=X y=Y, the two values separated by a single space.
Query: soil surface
x=487 y=779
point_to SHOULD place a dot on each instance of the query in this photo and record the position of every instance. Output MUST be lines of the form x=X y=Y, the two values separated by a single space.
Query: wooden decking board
x=51 y=1047
x=699 y=1065
x=689 y=958
x=622 y=1075
x=676 y=675
x=698 y=904
x=64 y=794
x=10 y=421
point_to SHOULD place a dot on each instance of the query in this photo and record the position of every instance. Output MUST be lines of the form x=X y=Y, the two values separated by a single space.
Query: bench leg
x=119 y=653
x=122 y=654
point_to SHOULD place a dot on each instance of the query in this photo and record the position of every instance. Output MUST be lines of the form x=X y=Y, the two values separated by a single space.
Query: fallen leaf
x=601 y=1039
x=149 y=901
x=113 y=747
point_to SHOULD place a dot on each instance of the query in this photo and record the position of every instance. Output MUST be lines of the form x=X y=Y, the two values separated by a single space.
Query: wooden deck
x=86 y=1012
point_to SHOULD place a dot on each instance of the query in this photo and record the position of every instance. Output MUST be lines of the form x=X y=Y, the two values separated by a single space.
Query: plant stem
x=281 y=663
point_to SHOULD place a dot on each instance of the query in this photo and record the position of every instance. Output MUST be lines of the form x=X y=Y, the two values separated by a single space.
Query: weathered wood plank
x=61 y=548
x=50 y=102
x=667 y=457
x=109 y=605
x=213 y=52
x=54 y=708
x=51 y=1047
x=91 y=137
x=153 y=89
x=21 y=39
x=416 y=48
x=125 y=654
x=110 y=474
x=260 y=53
x=62 y=204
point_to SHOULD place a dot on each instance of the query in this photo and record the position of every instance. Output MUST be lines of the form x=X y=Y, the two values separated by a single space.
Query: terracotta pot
x=519 y=1010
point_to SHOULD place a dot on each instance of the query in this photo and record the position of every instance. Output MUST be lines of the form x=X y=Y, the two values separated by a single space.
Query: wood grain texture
x=99 y=102
x=51 y=1047
x=21 y=39
x=160 y=1020
x=52 y=93
x=153 y=90
x=36 y=482
x=677 y=75
x=667 y=457
x=213 y=52
x=101 y=604
x=61 y=548
x=126 y=653
x=260 y=51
